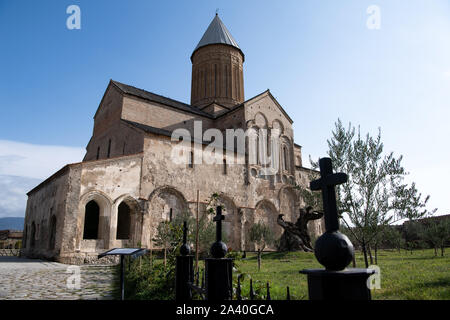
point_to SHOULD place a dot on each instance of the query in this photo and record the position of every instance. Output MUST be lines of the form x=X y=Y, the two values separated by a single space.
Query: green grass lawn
x=419 y=276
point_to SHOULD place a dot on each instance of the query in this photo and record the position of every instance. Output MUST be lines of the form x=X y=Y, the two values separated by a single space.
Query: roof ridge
x=186 y=107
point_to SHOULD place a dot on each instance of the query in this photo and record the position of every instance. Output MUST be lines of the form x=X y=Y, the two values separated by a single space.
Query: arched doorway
x=164 y=203
x=123 y=222
x=91 y=220
x=266 y=213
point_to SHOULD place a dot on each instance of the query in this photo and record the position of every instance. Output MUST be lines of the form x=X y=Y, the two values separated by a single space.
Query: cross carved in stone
x=218 y=219
x=326 y=183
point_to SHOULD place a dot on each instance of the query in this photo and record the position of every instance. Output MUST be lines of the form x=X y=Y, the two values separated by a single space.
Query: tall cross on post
x=328 y=180
x=184 y=249
x=218 y=248
x=184 y=232
x=218 y=219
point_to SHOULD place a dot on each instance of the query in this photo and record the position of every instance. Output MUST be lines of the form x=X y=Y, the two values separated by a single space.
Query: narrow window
x=33 y=235
x=170 y=215
x=224 y=166
x=226 y=81
x=25 y=235
x=123 y=150
x=98 y=152
x=191 y=159
x=235 y=83
x=109 y=148
x=52 y=238
x=205 y=82
x=215 y=80
x=286 y=156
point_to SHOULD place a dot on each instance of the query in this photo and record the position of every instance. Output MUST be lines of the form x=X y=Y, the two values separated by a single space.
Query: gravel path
x=32 y=279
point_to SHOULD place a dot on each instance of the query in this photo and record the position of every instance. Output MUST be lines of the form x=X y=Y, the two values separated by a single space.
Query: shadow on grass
x=279 y=255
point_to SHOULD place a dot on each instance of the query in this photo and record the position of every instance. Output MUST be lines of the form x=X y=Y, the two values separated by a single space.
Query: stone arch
x=52 y=230
x=261 y=120
x=104 y=204
x=126 y=219
x=277 y=125
x=161 y=202
x=267 y=213
x=288 y=203
x=232 y=222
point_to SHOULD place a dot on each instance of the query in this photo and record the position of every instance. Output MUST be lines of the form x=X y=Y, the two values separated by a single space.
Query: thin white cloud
x=35 y=161
x=13 y=194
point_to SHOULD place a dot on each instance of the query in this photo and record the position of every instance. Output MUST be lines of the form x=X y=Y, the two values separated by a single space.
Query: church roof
x=217 y=33
x=140 y=93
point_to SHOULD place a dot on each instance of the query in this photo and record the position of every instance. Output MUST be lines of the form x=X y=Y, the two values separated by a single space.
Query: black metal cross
x=218 y=219
x=326 y=183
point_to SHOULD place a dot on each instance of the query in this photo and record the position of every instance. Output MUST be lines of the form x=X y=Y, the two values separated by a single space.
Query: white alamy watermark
x=73 y=282
x=374 y=19
x=374 y=281
x=74 y=20
x=254 y=146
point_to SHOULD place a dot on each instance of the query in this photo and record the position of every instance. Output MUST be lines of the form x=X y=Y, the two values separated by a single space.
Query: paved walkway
x=32 y=279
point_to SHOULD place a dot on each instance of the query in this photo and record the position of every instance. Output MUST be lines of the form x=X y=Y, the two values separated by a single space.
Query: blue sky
x=318 y=58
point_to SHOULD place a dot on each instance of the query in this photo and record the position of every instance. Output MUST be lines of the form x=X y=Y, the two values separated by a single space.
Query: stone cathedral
x=127 y=183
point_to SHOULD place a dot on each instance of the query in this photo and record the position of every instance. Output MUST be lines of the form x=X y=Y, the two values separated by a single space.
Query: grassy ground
x=403 y=275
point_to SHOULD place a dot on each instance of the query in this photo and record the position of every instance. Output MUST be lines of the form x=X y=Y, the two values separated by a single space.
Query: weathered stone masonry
x=127 y=183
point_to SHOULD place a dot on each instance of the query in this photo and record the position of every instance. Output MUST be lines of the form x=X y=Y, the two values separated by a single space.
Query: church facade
x=128 y=182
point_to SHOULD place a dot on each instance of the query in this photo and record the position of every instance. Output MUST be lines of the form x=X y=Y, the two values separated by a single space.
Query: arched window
x=51 y=243
x=285 y=158
x=91 y=220
x=33 y=235
x=123 y=222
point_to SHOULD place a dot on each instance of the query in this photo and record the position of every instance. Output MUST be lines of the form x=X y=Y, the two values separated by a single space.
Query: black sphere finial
x=334 y=250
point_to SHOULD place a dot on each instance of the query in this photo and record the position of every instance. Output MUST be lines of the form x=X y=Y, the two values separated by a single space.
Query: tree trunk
x=370 y=254
x=435 y=251
x=376 y=253
x=354 y=261
x=259 y=259
x=442 y=251
x=364 y=249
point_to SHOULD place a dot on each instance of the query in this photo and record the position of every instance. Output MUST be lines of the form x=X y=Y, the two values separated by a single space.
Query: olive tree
x=376 y=194
x=261 y=235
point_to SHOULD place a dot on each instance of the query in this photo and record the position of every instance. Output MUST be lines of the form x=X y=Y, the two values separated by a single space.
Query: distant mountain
x=11 y=223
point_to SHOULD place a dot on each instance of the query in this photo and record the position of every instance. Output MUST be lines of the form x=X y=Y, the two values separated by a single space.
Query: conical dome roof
x=217 y=33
